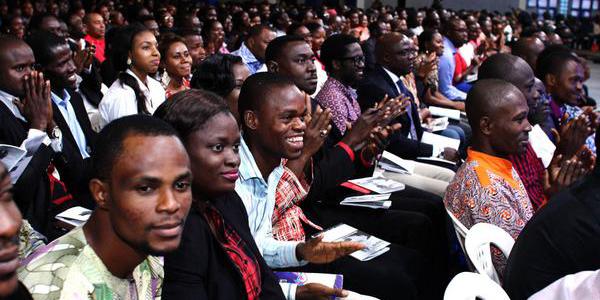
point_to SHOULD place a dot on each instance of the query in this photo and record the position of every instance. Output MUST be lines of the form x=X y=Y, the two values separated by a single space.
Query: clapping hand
x=36 y=105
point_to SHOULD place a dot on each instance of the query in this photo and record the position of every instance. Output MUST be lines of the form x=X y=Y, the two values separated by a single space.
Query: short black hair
x=334 y=48
x=256 y=90
x=256 y=30
x=110 y=140
x=189 y=110
x=313 y=26
x=552 y=60
x=503 y=66
x=36 y=20
x=291 y=30
x=426 y=37
x=215 y=74
x=486 y=96
x=276 y=46
x=43 y=44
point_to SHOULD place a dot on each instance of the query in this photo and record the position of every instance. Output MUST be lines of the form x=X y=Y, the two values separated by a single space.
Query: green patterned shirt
x=68 y=268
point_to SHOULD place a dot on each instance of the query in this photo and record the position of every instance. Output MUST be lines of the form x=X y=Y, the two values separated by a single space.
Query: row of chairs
x=475 y=243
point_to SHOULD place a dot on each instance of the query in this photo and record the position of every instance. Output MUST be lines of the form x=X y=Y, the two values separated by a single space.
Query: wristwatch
x=55 y=133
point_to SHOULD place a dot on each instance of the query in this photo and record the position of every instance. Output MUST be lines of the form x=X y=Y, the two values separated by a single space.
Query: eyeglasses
x=357 y=60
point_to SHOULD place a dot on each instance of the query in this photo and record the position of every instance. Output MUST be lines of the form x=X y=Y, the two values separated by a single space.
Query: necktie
x=407 y=93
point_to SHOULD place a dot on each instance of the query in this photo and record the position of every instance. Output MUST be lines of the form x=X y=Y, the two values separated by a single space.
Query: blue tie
x=404 y=91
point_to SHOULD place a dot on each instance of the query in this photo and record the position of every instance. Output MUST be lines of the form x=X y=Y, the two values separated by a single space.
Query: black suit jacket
x=32 y=189
x=200 y=268
x=74 y=169
x=373 y=88
x=562 y=238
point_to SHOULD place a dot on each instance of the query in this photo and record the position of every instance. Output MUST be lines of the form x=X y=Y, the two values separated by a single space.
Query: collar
x=7 y=99
x=248 y=167
x=145 y=88
x=489 y=163
x=448 y=43
x=346 y=90
x=66 y=97
x=393 y=76
x=246 y=54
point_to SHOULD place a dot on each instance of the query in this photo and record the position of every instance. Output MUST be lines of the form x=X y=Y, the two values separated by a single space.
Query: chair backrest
x=460 y=229
x=470 y=286
x=477 y=244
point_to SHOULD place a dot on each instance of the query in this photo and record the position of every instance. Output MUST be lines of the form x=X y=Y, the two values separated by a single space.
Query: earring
x=129 y=61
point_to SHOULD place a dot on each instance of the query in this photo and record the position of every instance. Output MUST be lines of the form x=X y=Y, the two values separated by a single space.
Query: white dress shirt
x=582 y=285
x=120 y=101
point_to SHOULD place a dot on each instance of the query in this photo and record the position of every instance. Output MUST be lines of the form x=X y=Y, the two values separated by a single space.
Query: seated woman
x=217 y=257
x=134 y=91
x=177 y=63
x=222 y=74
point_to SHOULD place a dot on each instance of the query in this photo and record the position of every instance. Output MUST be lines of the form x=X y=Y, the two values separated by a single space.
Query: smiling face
x=567 y=85
x=280 y=123
x=178 y=61
x=352 y=65
x=144 y=53
x=61 y=70
x=148 y=194
x=214 y=155
x=10 y=222
x=509 y=126
x=318 y=37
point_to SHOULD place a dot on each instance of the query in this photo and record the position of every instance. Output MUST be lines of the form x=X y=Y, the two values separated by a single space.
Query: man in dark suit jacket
x=395 y=55
x=26 y=121
x=55 y=58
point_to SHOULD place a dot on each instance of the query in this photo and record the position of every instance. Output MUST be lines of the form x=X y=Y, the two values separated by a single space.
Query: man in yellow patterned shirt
x=141 y=185
x=486 y=188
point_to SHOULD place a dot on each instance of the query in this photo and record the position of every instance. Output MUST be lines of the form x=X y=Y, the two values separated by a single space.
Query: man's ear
x=336 y=65
x=551 y=80
x=485 y=125
x=250 y=43
x=250 y=120
x=99 y=190
x=272 y=67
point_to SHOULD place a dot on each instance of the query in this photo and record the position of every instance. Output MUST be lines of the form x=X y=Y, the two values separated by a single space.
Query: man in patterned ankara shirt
x=141 y=185
x=486 y=188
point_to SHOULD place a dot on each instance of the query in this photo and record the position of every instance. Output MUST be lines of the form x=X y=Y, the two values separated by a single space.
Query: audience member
x=224 y=75
x=455 y=35
x=195 y=45
x=177 y=63
x=94 y=27
x=141 y=185
x=486 y=188
x=135 y=91
x=253 y=48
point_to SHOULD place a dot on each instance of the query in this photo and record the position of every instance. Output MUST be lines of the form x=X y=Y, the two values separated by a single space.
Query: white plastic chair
x=469 y=286
x=477 y=244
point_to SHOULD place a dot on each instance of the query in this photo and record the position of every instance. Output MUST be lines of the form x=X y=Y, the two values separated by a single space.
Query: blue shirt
x=248 y=58
x=66 y=109
x=446 y=73
x=258 y=196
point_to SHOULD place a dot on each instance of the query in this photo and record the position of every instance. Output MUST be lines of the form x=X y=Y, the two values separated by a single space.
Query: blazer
x=32 y=189
x=200 y=268
x=75 y=170
x=371 y=89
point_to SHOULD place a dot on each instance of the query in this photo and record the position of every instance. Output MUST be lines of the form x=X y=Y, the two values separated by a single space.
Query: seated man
x=487 y=189
x=141 y=184
x=562 y=238
x=10 y=287
x=272 y=109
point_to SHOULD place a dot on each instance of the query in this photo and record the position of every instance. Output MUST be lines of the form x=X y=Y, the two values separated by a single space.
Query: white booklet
x=542 y=145
x=74 y=216
x=439 y=142
x=370 y=201
x=378 y=184
x=393 y=163
x=437 y=124
x=445 y=112
x=346 y=233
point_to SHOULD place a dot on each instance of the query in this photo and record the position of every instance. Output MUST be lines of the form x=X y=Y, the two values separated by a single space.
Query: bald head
x=16 y=62
x=528 y=49
x=396 y=52
x=486 y=97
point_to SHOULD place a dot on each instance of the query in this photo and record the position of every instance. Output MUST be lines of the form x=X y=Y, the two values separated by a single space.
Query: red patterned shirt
x=288 y=216
x=238 y=251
